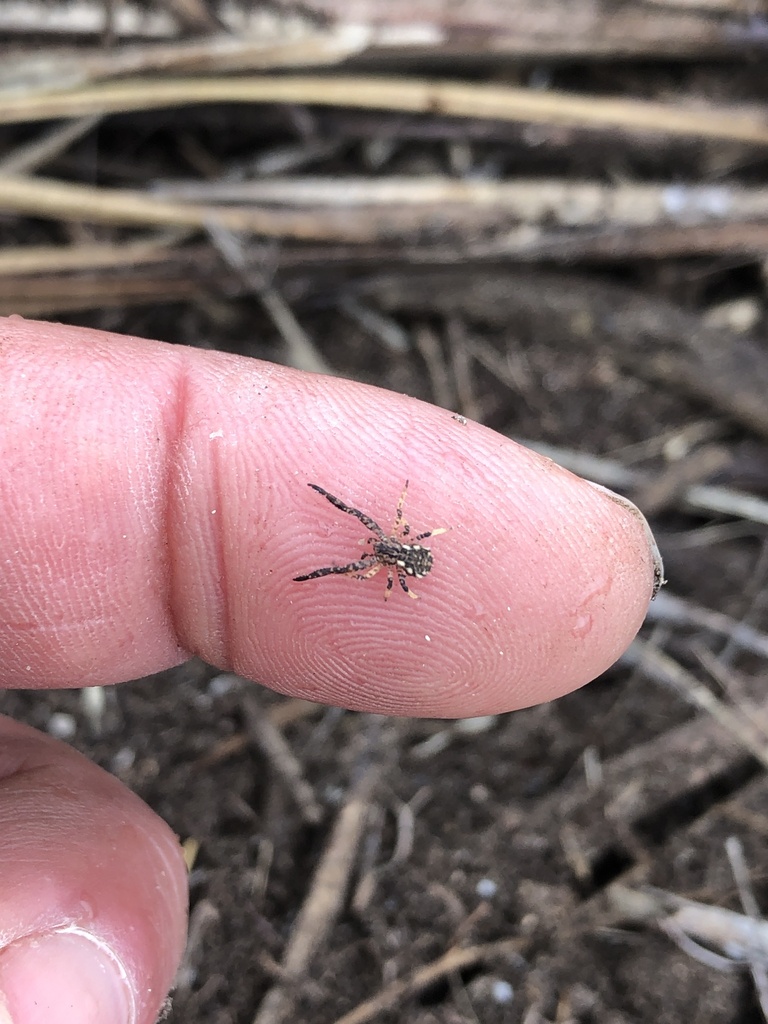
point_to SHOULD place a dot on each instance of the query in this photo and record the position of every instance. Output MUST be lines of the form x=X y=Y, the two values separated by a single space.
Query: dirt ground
x=496 y=865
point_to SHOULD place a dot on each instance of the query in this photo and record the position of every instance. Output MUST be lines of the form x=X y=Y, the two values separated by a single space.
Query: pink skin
x=155 y=505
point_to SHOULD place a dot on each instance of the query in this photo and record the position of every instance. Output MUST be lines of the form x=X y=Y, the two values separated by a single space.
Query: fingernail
x=66 y=977
x=658 y=564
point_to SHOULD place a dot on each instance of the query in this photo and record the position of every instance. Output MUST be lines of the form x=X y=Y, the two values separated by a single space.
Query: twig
x=656 y=339
x=203 y=917
x=429 y=348
x=33 y=259
x=572 y=204
x=280 y=756
x=425 y=96
x=444 y=737
x=680 y=476
x=664 y=669
x=478 y=29
x=41 y=197
x=753 y=599
x=323 y=901
x=741 y=939
x=423 y=977
x=384 y=328
x=616 y=475
x=671 y=609
x=286 y=46
x=302 y=353
x=735 y=853
x=38 y=152
x=758 y=967
x=458 y=344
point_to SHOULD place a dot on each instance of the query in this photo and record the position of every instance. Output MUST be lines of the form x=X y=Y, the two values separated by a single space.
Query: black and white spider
x=387 y=552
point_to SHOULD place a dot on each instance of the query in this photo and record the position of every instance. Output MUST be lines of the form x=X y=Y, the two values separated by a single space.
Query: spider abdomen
x=412 y=559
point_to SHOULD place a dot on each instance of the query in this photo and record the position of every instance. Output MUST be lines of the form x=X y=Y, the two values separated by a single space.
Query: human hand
x=153 y=505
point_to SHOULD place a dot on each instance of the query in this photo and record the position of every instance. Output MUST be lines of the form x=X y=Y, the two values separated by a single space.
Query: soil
x=516 y=833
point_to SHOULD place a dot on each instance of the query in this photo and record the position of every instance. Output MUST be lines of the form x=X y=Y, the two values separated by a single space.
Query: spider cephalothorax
x=387 y=552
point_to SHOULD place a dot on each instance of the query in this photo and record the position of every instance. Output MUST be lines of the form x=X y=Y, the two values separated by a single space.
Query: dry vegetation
x=549 y=216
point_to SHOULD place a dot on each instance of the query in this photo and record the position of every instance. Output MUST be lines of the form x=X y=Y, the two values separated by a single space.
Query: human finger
x=156 y=505
x=92 y=892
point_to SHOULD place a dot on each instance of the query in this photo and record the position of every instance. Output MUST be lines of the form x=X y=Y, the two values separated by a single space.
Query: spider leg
x=400 y=521
x=404 y=585
x=433 y=533
x=369 y=523
x=337 y=570
x=371 y=572
x=390 y=584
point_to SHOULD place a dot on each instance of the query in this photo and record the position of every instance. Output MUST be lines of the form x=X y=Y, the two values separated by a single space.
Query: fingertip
x=540 y=582
x=657 y=562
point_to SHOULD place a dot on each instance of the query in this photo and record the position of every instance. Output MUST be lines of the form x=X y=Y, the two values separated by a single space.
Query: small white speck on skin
x=216 y=434
x=213 y=511
x=428 y=638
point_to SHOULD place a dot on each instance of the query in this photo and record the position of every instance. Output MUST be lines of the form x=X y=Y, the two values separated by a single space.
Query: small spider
x=388 y=553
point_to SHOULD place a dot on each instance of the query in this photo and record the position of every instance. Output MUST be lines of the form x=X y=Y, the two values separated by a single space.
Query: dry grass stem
x=617 y=476
x=38 y=197
x=739 y=938
x=302 y=352
x=32 y=259
x=423 y=977
x=271 y=743
x=29 y=157
x=324 y=900
x=531 y=201
x=654 y=338
x=424 y=96
x=481 y=30
x=669 y=609
x=203 y=917
x=758 y=967
x=70 y=68
x=664 y=669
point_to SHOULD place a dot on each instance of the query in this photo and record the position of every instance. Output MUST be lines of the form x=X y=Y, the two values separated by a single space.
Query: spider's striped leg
x=406 y=588
x=369 y=523
x=336 y=570
x=370 y=573
x=433 y=533
x=400 y=520
x=390 y=584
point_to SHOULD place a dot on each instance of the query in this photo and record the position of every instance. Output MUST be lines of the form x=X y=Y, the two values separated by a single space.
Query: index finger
x=156 y=504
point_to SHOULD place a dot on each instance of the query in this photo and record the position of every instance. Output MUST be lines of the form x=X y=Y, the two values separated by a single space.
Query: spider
x=388 y=553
